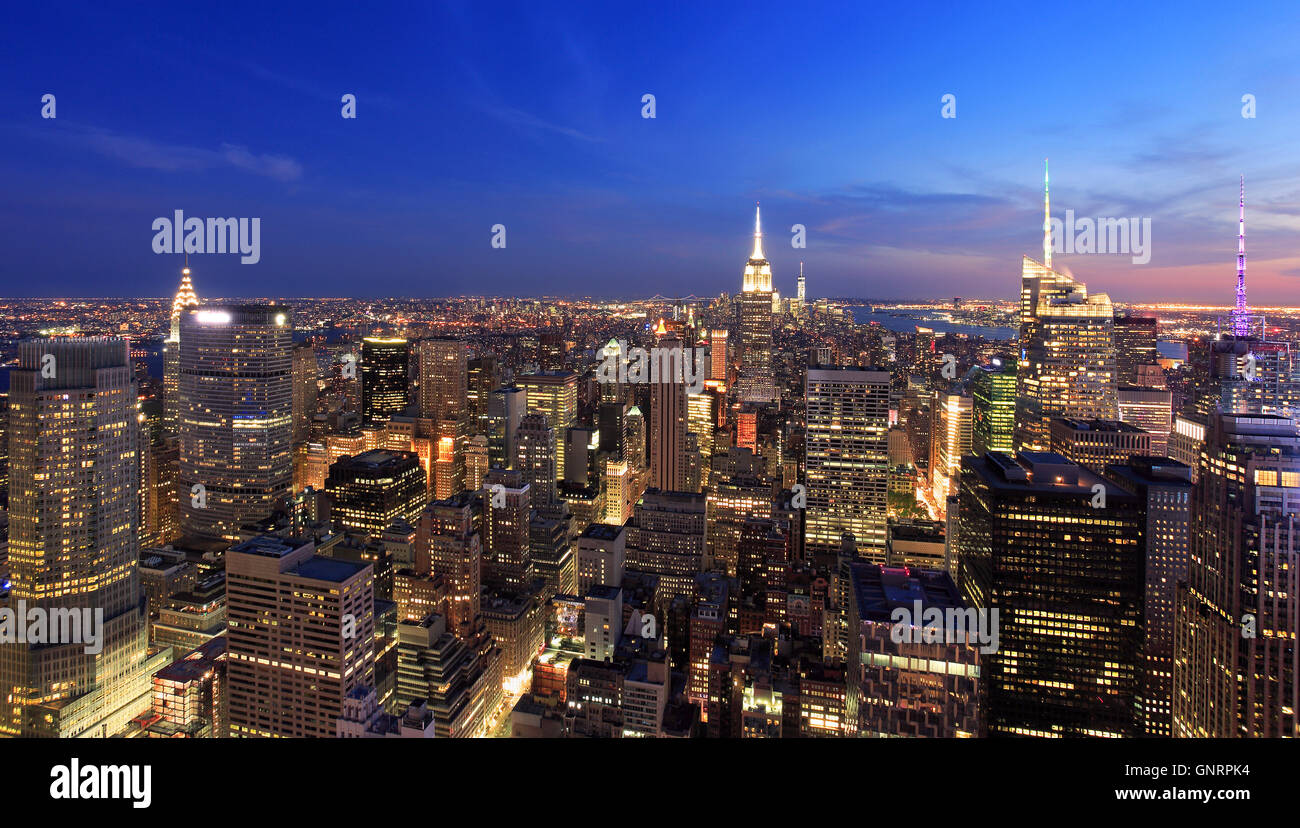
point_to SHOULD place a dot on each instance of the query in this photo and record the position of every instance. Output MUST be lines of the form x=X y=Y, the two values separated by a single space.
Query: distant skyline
x=471 y=115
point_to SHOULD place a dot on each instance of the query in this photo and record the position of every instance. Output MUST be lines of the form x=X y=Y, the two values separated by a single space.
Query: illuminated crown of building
x=185 y=297
x=758 y=273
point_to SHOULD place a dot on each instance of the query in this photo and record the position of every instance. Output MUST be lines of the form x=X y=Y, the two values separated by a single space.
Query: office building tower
x=666 y=537
x=581 y=456
x=1150 y=409
x=738 y=494
x=444 y=379
x=189 y=695
x=301 y=636
x=668 y=426
x=602 y=554
x=158 y=485
x=924 y=685
x=483 y=376
x=506 y=507
x=514 y=619
x=185 y=298
x=1098 y=443
x=1188 y=439
x=1252 y=376
x=757 y=382
x=236 y=416
x=506 y=408
x=1067 y=352
x=718 y=354
x=555 y=394
x=602 y=621
x=1056 y=549
x=950 y=440
x=1239 y=611
x=74 y=543
x=1165 y=487
x=459 y=681
x=477 y=462
x=846 y=458
x=375 y=489
x=535 y=440
x=384 y=380
x=993 y=407
x=1135 y=346
x=304 y=391
x=448 y=546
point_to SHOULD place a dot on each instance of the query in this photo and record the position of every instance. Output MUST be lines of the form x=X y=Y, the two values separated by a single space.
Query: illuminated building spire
x=758 y=235
x=1047 y=220
x=1241 y=313
x=185 y=295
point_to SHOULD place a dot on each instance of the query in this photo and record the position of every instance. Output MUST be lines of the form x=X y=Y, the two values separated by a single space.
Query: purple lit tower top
x=1241 y=314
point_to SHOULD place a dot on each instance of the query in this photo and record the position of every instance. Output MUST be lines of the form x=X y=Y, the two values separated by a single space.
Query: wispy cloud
x=526 y=120
x=146 y=153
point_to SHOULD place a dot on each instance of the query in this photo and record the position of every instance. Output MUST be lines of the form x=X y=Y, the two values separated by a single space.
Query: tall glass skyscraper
x=237 y=391
x=384 y=380
x=74 y=542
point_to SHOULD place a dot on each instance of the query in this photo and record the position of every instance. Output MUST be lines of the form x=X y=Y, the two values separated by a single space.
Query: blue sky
x=529 y=115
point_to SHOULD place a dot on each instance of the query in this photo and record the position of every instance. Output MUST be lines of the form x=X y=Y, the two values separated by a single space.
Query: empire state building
x=756 y=380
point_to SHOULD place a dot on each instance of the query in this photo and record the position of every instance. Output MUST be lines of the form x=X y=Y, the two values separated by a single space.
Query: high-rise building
x=1135 y=345
x=74 y=543
x=668 y=426
x=1098 y=443
x=1056 y=550
x=460 y=684
x=666 y=537
x=1067 y=351
x=602 y=554
x=555 y=394
x=536 y=458
x=921 y=685
x=506 y=506
x=444 y=379
x=993 y=407
x=757 y=382
x=506 y=408
x=738 y=494
x=384 y=380
x=236 y=387
x=1165 y=486
x=301 y=636
x=950 y=440
x=1150 y=409
x=1237 y=615
x=483 y=376
x=718 y=354
x=448 y=546
x=846 y=458
x=304 y=391
x=185 y=298
x=375 y=489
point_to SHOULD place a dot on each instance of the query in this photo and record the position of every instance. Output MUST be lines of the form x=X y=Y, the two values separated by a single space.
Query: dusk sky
x=529 y=115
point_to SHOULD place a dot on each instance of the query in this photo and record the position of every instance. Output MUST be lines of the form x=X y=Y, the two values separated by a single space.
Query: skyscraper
x=1238 y=614
x=993 y=407
x=535 y=458
x=74 y=542
x=375 y=489
x=304 y=391
x=757 y=383
x=444 y=379
x=1135 y=345
x=1067 y=350
x=1241 y=311
x=1056 y=549
x=237 y=392
x=668 y=426
x=384 y=382
x=185 y=298
x=950 y=439
x=301 y=635
x=846 y=457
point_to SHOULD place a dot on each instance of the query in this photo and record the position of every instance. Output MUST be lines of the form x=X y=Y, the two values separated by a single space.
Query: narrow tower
x=1047 y=220
x=1241 y=314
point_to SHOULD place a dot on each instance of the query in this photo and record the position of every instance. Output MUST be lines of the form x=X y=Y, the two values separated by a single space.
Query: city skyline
x=898 y=202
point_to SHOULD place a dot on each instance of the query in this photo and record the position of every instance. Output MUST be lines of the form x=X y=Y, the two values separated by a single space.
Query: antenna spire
x=1047 y=220
x=1241 y=313
x=758 y=234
